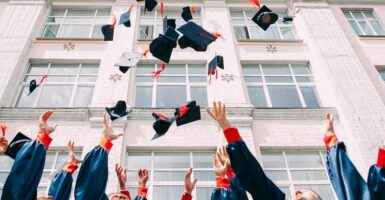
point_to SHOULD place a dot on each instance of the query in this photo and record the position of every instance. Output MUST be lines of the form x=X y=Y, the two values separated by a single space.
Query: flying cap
x=161 y=124
x=128 y=60
x=16 y=144
x=120 y=110
x=195 y=36
x=162 y=46
x=150 y=5
x=187 y=13
x=108 y=30
x=125 y=19
x=168 y=23
x=33 y=84
x=265 y=17
x=187 y=113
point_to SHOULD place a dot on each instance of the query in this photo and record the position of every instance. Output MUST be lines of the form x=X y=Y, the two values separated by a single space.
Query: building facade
x=278 y=85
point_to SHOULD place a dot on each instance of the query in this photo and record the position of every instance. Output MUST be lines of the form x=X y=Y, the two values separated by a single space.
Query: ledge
x=263 y=41
x=284 y=114
x=371 y=37
x=54 y=40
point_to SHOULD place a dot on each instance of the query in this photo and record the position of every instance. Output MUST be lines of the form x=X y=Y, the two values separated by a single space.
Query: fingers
x=120 y=135
x=220 y=108
x=105 y=119
x=195 y=182
x=49 y=114
x=116 y=167
x=215 y=108
x=188 y=173
x=329 y=117
x=224 y=110
x=210 y=113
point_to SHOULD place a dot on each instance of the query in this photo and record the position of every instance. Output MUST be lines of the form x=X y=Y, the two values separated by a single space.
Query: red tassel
x=146 y=52
x=130 y=8
x=183 y=110
x=112 y=26
x=298 y=9
x=193 y=9
x=210 y=79
x=255 y=2
x=43 y=78
x=207 y=37
x=162 y=116
x=3 y=129
x=156 y=74
x=161 y=8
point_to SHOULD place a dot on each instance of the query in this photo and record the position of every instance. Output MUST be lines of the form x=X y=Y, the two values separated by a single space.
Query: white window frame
x=248 y=25
x=367 y=21
x=379 y=70
x=75 y=84
x=156 y=17
x=264 y=84
x=151 y=183
x=155 y=82
x=290 y=182
x=93 y=24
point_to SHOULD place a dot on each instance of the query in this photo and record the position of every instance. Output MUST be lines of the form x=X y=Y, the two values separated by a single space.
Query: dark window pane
x=257 y=96
x=284 y=96
x=143 y=97
x=170 y=96
x=310 y=97
x=199 y=94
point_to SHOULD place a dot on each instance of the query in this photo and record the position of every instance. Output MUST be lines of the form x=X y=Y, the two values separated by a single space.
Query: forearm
x=186 y=196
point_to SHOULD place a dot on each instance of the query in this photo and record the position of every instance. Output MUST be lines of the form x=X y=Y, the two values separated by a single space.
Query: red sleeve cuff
x=142 y=191
x=105 y=143
x=381 y=158
x=232 y=135
x=223 y=182
x=71 y=167
x=44 y=138
x=330 y=140
x=230 y=174
x=127 y=193
x=186 y=196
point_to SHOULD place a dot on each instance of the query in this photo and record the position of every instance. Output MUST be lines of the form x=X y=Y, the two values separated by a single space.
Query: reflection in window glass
x=284 y=96
x=364 y=22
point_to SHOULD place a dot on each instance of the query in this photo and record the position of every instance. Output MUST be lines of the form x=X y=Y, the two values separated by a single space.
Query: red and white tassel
x=3 y=129
x=130 y=8
x=43 y=78
x=256 y=3
x=296 y=12
x=218 y=35
x=146 y=52
x=161 y=8
x=193 y=9
x=157 y=73
x=162 y=116
x=112 y=26
x=183 y=110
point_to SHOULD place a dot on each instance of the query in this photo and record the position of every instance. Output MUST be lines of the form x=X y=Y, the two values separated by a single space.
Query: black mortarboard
x=162 y=46
x=120 y=110
x=33 y=84
x=265 y=17
x=187 y=14
x=108 y=32
x=128 y=60
x=195 y=36
x=150 y=5
x=16 y=144
x=217 y=61
x=167 y=23
x=161 y=124
x=125 y=19
x=288 y=19
x=188 y=113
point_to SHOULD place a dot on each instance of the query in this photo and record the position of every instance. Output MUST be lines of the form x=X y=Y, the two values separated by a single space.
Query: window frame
x=298 y=85
x=366 y=19
x=155 y=83
x=76 y=84
x=151 y=183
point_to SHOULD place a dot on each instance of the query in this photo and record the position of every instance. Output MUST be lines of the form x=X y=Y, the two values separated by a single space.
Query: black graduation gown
x=61 y=185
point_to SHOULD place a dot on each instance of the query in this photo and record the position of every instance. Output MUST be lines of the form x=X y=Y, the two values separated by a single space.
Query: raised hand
x=71 y=155
x=223 y=156
x=43 y=125
x=188 y=184
x=142 y=177
x=219 y=169
x=218 y=113
x=3 y=145
x=121 y=173
x=330 y=137
x=329 y=123
x=107 y=129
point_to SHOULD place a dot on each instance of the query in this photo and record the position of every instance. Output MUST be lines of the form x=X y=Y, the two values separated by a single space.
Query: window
x=364 y=22
x=246 y=29
x=151 y=23
x=298 y=170
x=67 y=85
x=280 y=85
x=71 y=23
x=177 y=85
x=54 y=160
x=167 y=170
x=381 y=71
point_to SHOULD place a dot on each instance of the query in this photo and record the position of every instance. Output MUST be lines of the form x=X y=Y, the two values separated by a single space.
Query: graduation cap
x=16 y=144
x=217 y=61
x=33 y=84
x=195 y=36
x=161 y=124
x=120 y=110
x=168 y=23
x=150 y=5
x=187 y=113
x=125 y=19
x=127 y=60
x=187 y=13
x=162 y=46
x=265 y=17
x=288 y=19
x=108 y=30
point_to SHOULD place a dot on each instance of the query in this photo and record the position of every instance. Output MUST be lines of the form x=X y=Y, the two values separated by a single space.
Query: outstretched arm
x=189 y=185
x=345 y=178
x=244 y=164
x=3 y=140
x=26 y=172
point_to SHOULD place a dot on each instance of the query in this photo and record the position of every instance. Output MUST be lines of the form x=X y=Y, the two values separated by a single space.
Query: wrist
x=187 y=192
x=122 y=187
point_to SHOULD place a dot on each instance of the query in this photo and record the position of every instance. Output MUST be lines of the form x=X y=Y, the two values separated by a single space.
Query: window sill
x=86 y=40
x=371 y=37
x=262 y=41
x=144 y=41
x=290 y=114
